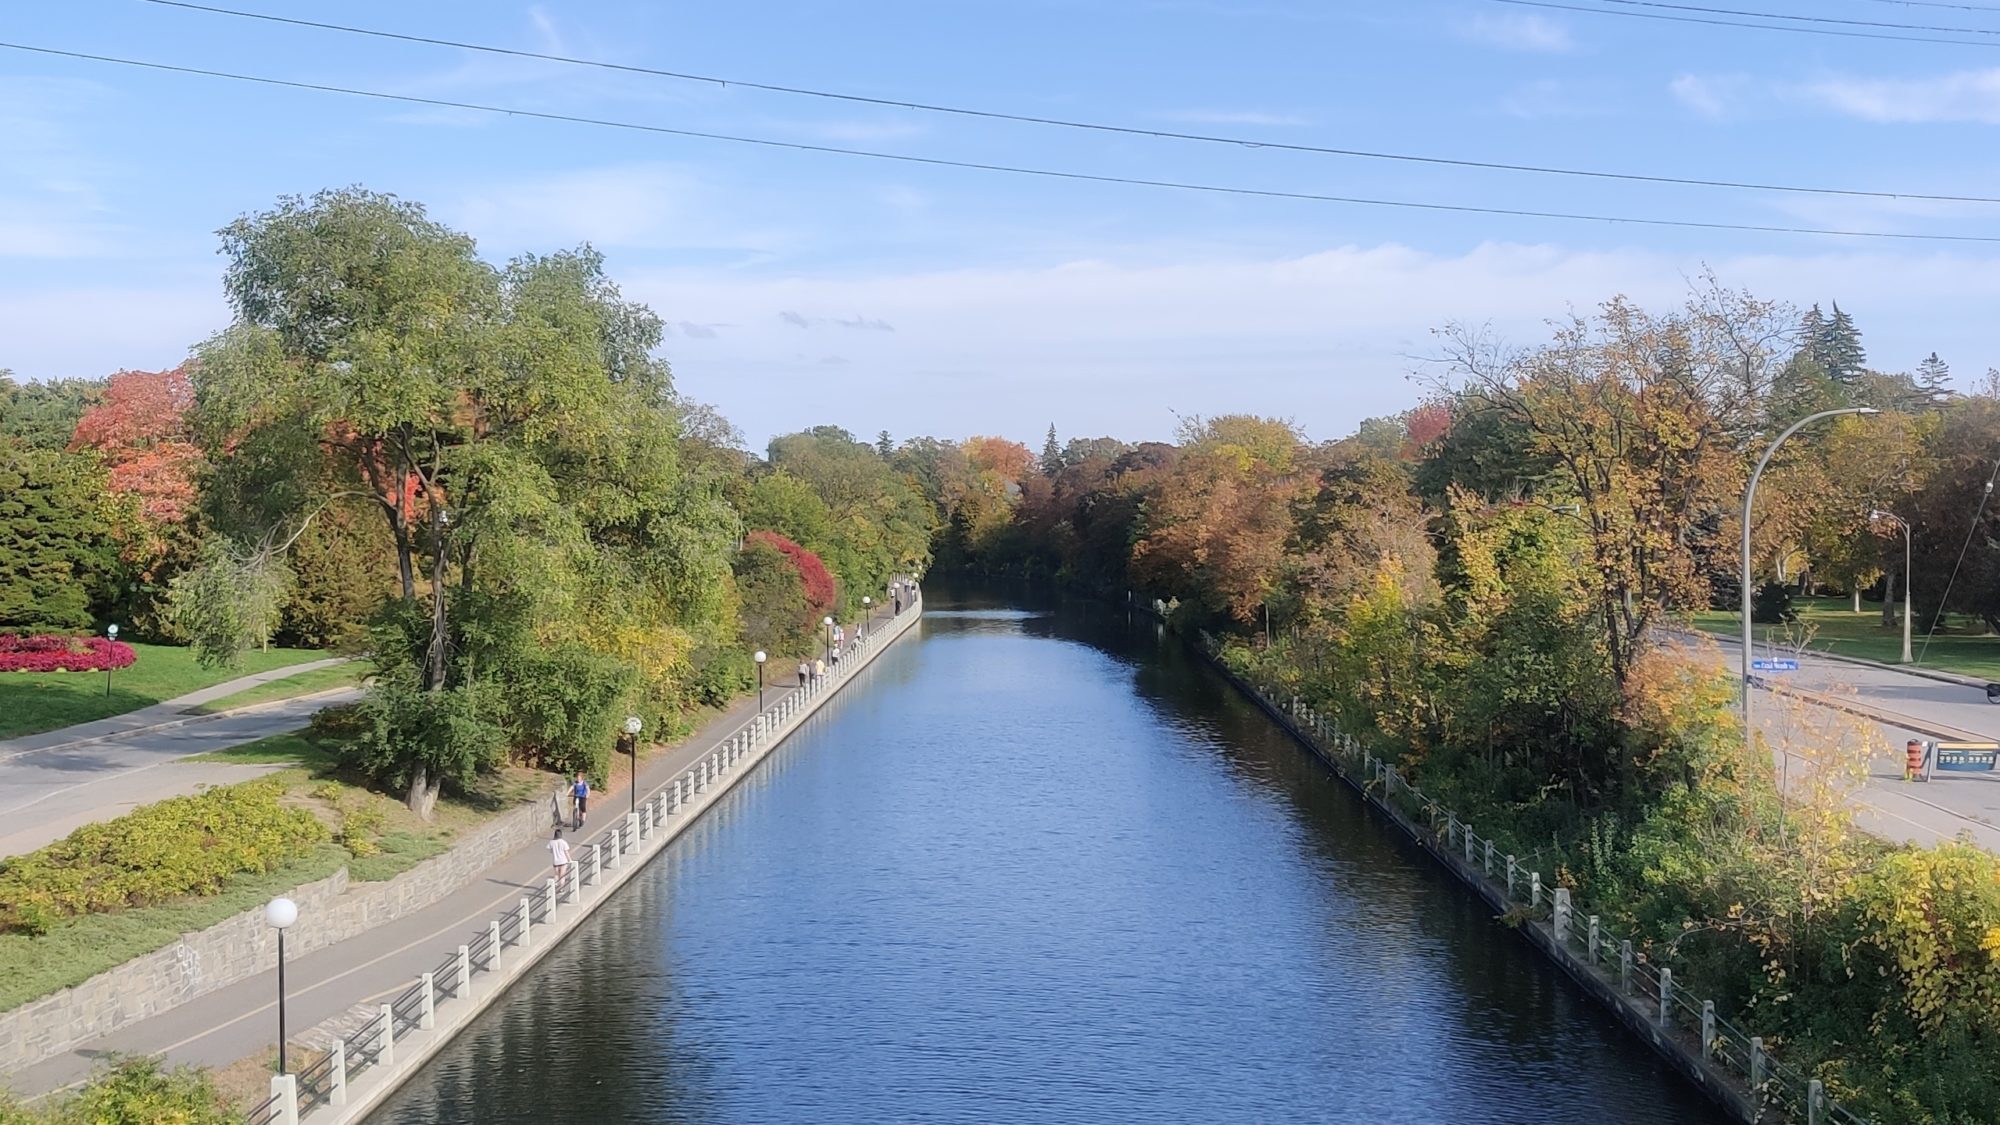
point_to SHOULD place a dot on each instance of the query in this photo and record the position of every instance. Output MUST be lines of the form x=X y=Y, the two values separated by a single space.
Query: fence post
x=1451 y=831
x=526 y=921
x=1815 y=1102
x=638 y=827
x=1708 y=1029
x=1489 y=858
x=1625 y=967
x=337 y=1093
x=493 y=938
x=1756 y=1062
x=1468 y=843
x=427 y=1015
x=1562 y=916
x=552 y=899
x=1535 y=889
x=1666 y=996
x=1593 y=941
x=465 y=970
x=285 y=1088
x=1510 y=877
x=386 y=1057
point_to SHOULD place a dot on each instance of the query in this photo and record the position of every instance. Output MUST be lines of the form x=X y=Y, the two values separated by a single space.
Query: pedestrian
x=580 y=797
x=559 y=852
x=819 y=669
x=805 y=673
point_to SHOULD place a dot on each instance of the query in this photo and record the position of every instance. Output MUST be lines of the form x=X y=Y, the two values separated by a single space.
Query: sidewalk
x=239 y=1021
x=164 y=715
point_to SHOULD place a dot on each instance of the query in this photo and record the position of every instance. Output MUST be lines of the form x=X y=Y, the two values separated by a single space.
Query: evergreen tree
x=1812 y=336
x=1934 y=380
x=57 y=558
x=1840 y=350
x=884 y=446
x=1052 y=458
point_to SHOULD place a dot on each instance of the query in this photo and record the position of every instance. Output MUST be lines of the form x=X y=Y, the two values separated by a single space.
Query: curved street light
x=1750 y=496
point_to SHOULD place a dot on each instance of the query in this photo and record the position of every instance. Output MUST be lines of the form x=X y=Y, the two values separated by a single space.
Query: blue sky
x=807 y=288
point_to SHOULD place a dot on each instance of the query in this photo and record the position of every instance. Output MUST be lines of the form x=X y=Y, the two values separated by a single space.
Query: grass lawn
x=349 y=674
x=375 y=838
x=1960 y=645
x=32 y=702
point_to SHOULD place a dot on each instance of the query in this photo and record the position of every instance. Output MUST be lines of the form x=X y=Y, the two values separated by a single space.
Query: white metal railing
x=628 y=842
x=1771 y=1085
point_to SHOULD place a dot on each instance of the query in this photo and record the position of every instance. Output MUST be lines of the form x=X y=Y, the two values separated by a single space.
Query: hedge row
x=170 y=849
x=64 y=654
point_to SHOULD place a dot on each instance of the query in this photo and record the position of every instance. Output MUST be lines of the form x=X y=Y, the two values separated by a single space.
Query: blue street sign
x=1775 y=665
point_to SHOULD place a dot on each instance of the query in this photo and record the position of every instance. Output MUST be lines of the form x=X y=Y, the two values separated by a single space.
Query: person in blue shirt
x=579 y=796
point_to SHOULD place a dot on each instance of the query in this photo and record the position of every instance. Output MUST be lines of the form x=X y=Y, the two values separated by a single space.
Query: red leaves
x=64 y=654
x=813 y=574
x=141 y=429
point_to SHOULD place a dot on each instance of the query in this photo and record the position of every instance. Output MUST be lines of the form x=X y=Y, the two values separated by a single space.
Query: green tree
x=1840 y=350
x=1052 y=458
x=774 y=600
x=57 y=556
x=44 y=414
x=880 y=523
x=228 y=603
x=1933 y=380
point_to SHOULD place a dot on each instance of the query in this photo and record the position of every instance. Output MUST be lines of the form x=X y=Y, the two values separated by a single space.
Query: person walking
x=819 y=670
x=579 y=798
x=805 y=673
x=559 y=853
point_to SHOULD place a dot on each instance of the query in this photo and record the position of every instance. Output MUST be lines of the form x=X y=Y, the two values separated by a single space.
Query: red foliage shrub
x=64 y=654
x=818 y=582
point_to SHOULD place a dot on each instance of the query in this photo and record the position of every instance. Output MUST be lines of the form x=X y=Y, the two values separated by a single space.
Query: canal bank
x=1044 y=867
x=368 y=1063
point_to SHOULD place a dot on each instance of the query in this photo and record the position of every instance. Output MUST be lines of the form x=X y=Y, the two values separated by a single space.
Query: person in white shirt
x=559 y=852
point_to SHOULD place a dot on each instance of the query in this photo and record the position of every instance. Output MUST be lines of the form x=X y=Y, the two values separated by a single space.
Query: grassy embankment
x=345 y=675
x=1961 y=644
x=372 y=834
x=33 y=702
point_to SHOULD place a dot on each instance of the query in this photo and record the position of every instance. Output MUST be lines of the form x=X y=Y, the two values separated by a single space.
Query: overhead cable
x=1711 y=21
x=1094 y=126
x=979 y=166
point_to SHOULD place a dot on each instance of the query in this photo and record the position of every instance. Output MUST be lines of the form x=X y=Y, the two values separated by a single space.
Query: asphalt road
x=48 y=791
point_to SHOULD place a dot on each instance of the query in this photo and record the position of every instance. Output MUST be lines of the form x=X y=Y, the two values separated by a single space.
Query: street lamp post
x=866 y=602
x=1907 y=594
x=1750 y=496
x=281 y=913
x=632 y=726
x=759 y=658
x=829 y=639
x=110 y=631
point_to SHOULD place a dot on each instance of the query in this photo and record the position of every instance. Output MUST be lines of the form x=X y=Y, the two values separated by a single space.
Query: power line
x=1553 y=5
x=978 y=166
x=1988 y=9
x=1093 y=126
x=1836 y=20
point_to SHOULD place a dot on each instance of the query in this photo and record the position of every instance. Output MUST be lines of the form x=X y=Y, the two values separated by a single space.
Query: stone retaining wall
x=242 y=946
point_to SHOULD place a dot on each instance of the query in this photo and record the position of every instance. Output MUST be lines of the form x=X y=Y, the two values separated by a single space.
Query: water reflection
x=1041 y=866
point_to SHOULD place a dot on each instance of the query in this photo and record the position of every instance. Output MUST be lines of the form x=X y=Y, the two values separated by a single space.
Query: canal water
x=1039 y=865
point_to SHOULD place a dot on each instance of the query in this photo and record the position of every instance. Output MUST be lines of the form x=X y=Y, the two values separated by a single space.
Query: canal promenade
x=329 y=985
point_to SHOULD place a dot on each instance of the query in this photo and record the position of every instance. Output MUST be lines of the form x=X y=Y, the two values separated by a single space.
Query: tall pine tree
x=1052 y=458
x=1812 y=336
x=1840 y=348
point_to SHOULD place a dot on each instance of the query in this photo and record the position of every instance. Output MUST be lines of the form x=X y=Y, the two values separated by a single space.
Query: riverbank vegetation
x=1483 y=587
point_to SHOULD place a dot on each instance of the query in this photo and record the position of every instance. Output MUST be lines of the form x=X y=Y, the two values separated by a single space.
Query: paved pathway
x=238 y=1021
x=48 y=789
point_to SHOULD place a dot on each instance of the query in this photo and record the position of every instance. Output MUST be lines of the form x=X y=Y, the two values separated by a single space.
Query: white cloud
x=1519 y=32
x=1967 y=95
x=1711 y=95
x=634 y=206
x=1327 y=337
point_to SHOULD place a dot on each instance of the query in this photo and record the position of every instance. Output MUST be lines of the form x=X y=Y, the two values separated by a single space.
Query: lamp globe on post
x=281 y=912
x=829 y=637
x=110 y=631
x=866 y=602
x=632 y=728
x=759 y=658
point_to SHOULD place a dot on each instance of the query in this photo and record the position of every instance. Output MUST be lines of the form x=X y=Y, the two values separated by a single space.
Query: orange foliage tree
x=142 y=432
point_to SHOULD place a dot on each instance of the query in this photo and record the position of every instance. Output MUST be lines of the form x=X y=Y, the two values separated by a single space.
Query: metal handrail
x=265 y=1112
x=315 y=1083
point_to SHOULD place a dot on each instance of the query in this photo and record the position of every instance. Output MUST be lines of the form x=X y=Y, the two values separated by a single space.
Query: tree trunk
x=1857 y=596
x=424 y=789
x=1889 y=602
